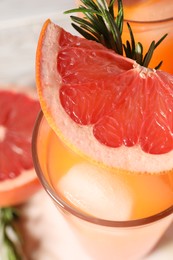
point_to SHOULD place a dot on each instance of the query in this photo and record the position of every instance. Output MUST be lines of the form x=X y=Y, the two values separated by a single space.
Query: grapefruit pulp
x=105 y=106
x=18 y=180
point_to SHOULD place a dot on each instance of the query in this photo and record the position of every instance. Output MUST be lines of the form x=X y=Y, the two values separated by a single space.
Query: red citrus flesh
x=108 y=92
x=118 y=110
x=17 y=176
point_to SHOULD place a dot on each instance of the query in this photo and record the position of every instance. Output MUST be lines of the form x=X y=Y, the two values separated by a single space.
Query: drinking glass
x=147 y=31
x=150 y=20
x=101 y=238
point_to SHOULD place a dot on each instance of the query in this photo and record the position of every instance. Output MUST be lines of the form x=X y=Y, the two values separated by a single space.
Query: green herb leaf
x=8 y=218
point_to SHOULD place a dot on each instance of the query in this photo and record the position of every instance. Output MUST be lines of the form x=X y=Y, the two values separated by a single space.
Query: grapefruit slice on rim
x=19 y=108
x=105 y=106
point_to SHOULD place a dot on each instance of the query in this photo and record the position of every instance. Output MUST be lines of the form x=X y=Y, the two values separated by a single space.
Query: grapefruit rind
x=17 y=190
x=78 y=137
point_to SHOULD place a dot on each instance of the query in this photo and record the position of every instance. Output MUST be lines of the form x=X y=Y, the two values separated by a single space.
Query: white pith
x=81 y=137
x=2 y=133
x=24 y=178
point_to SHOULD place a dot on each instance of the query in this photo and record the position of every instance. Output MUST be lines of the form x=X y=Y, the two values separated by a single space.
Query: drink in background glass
x=150 y=20
x=114 y=216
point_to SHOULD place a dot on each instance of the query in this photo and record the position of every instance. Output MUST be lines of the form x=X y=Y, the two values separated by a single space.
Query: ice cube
x=97 y=192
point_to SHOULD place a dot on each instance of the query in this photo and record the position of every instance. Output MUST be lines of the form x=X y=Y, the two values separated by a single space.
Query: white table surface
x=20 y=24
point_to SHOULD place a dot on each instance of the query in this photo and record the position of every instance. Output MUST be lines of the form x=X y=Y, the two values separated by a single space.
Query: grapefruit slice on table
x=104 y=106
x=19 y=108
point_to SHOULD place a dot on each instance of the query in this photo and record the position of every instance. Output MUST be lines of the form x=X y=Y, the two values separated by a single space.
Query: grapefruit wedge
x=19 y=108
x=104 y=106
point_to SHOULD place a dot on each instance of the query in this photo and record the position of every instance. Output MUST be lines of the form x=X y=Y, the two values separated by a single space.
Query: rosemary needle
x=9 y=236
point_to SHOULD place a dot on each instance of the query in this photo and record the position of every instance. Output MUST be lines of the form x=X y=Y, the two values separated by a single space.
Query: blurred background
x=20 y=24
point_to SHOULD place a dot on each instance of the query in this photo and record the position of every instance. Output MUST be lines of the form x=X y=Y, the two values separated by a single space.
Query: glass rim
x=81 y=215
x=148 y=22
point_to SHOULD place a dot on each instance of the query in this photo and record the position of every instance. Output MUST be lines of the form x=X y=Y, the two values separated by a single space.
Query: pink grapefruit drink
x=103 y=149
x=114 y=216
x=149 y=20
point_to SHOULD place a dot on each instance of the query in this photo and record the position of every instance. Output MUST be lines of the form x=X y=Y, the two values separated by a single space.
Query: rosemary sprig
x=10 y=238
x=102 y=25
